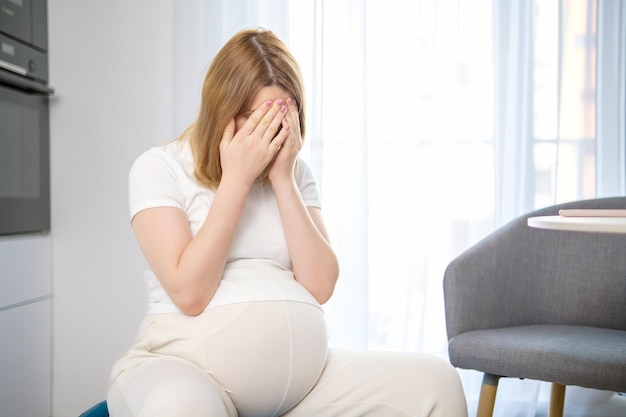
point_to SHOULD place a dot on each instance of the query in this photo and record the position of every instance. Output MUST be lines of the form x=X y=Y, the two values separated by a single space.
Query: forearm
x=202 y=263
x=313 y=260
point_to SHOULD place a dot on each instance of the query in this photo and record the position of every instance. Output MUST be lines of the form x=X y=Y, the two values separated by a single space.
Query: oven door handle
x=25 y=84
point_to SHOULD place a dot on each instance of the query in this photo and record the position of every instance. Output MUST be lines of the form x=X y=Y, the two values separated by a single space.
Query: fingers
x=256 y=117
x=292 y=119
x=293 y=113
x=290 y=126
x=229 y=133
x=278 y=141
x=275 y=124
x=266 y=119
x=270 y=124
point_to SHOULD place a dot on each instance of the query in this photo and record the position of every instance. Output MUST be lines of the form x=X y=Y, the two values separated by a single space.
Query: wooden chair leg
x=487 y=399
x=557 y=400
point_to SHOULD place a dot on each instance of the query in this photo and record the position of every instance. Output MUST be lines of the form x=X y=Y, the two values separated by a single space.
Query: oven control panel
x=20 y=59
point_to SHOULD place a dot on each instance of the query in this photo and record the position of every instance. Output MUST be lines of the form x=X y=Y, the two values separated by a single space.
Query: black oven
x=24 y=118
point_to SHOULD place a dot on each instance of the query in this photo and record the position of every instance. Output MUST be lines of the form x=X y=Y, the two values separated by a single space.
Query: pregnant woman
x=238 y=264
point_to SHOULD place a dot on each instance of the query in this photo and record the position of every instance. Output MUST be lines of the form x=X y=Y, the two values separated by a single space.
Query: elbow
x=322 y=297
x=191 y=305
x=189 y=290
x=326 y=286
x=191 y=310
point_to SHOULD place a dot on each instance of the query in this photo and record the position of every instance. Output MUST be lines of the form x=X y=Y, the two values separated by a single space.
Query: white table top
x=580 y=224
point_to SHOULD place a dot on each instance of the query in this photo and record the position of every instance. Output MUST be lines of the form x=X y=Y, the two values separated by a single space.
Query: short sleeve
x=307 y=185
x=153 y=182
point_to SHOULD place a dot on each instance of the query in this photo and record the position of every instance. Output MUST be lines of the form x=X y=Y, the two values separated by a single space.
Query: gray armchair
x=540 y=304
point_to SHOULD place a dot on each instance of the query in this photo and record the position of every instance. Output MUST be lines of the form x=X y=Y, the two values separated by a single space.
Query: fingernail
x=280 y=101
x=283 y=109
x=268 y=103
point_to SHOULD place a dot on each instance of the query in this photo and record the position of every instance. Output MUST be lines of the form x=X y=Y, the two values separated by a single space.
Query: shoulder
x=158 y=178
x=303 y=171
x=172 y=158
x=307 y=185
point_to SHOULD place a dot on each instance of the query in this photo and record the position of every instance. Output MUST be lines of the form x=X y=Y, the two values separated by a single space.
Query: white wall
x=111 y=68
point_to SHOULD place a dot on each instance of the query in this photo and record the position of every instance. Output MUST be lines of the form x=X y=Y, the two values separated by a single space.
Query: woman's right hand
x=247 y=151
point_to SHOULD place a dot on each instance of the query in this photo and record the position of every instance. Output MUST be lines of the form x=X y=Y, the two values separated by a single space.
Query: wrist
x=283 y=183
x=236 y=182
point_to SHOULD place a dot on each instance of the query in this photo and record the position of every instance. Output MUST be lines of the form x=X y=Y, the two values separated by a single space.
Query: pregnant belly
x=266 y=354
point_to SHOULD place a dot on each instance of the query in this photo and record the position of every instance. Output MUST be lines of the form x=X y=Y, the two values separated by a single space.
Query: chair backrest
x=519 y=275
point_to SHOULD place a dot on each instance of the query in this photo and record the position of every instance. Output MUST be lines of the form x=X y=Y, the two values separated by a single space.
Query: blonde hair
x=250 y=60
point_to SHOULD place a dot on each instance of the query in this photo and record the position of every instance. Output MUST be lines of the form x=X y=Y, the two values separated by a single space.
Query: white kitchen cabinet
x=25 y=326
x=25 y=358
x=25 y=269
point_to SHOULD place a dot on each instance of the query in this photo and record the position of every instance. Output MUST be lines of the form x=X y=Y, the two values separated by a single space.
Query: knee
x=165 y=400
x=443 y=372
x=168 y=388
x=446 y=389
x=183 y=398
x=430 y=384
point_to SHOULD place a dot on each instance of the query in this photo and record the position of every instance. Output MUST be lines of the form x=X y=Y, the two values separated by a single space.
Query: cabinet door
x=25 y=270
x=15 y=19
x=25 y=360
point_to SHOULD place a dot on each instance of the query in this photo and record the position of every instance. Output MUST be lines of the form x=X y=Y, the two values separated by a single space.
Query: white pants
x=270 y=358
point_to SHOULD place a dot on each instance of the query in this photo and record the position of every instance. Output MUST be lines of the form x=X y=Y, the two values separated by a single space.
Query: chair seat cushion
x=99 y=410
x=571 y=355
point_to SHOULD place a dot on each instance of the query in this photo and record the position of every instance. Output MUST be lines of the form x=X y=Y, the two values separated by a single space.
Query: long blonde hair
x=250 y=60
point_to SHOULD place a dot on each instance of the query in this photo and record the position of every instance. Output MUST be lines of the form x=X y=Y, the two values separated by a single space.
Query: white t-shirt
x=258 y=265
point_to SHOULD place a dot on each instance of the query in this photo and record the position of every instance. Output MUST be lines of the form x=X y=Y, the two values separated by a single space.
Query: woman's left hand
x=282 y=169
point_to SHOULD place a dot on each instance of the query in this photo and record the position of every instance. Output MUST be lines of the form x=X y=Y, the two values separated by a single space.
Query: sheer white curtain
x=435 y=121
x=430 y=124
x=402 y=139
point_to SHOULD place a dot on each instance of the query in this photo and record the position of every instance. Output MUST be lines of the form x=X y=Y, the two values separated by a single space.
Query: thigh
x=167 y=387
x=384 y=384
